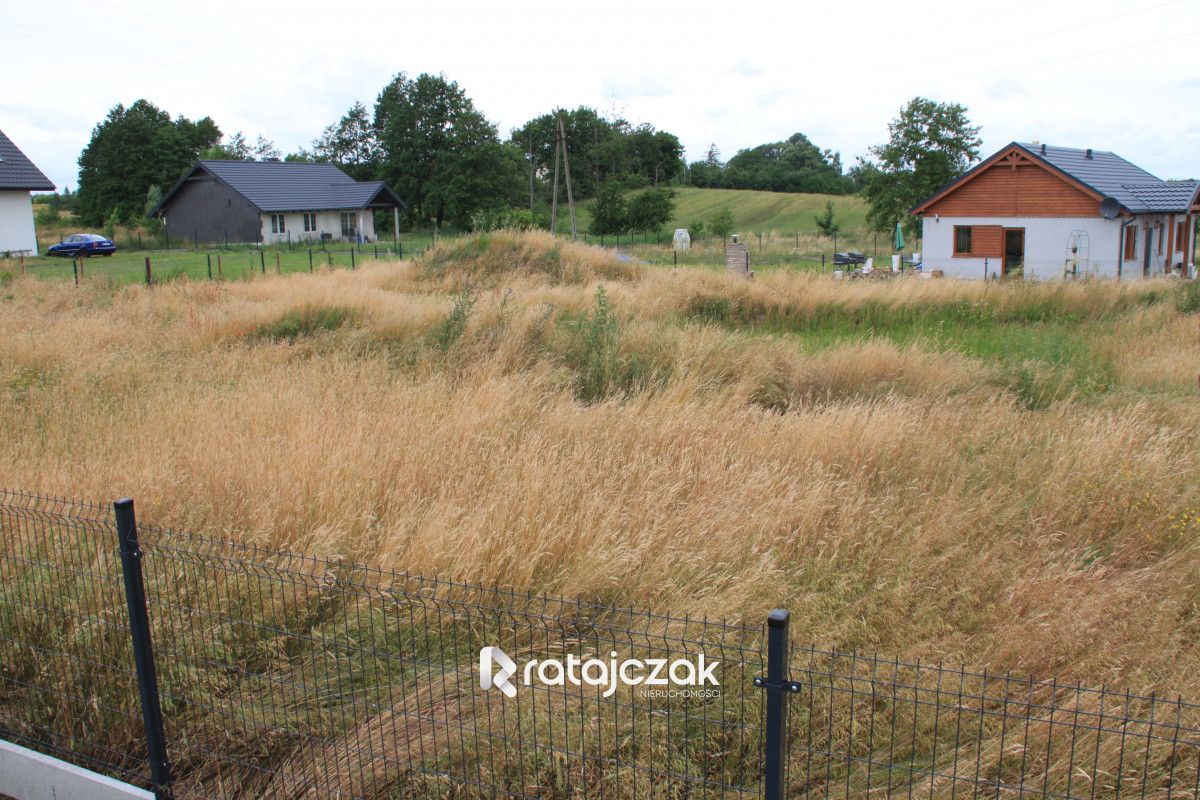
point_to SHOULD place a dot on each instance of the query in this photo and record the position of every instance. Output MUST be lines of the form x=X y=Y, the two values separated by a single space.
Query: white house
x=1059 y=212
x=274 y=201
x=18 y=177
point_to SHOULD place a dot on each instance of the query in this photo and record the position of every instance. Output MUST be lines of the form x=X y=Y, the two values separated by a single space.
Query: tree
x=793 y=165
x=722 y=223
x=600 y=150
x=132 y=150
x=236 y=148
x=826 y=223
x=439 y=153
x=610 y=214
x=351 y=143
x=265 y=150
x=651 y=209
x=931 y=144
x=233 y=148
x=707 y=174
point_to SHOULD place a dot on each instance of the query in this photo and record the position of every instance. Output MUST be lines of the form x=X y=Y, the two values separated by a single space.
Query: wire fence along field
x=159 y=266
x=205 y=668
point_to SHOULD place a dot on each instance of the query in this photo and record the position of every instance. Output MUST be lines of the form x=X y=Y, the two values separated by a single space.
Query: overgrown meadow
x=1001 y=475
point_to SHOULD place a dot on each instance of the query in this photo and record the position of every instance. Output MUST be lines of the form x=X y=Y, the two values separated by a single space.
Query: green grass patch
x=307 y=321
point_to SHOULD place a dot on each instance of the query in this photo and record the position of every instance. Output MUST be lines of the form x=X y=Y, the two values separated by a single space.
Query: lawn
x=753 y=212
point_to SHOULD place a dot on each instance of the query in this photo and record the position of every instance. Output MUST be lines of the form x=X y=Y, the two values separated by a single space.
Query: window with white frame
x=277 y=223
x=310 y=222
x=349 y=224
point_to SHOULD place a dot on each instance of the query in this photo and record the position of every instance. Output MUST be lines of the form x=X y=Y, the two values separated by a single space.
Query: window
x=1180 y=244
x=1131 y=243
x=277 y=223
x=962 y=240
x=310 y=222
x=349 y=224
x=1160 y=229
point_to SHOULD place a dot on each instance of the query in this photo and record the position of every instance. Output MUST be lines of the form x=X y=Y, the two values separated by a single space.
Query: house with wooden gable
x=223 y=201
x=1058 y=212
x=18 y=177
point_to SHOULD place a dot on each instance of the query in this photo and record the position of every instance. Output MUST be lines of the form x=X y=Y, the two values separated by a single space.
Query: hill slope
x=752 y=211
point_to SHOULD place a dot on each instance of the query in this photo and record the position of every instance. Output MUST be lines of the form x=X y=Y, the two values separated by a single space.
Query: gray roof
x=1107 y=173
x=17 y=171
x=294 y=186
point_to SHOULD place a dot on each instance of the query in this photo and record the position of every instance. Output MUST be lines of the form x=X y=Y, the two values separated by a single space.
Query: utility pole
x=562 y=135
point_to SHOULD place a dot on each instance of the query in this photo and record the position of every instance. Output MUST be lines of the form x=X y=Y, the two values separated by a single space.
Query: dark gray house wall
x=204 y=209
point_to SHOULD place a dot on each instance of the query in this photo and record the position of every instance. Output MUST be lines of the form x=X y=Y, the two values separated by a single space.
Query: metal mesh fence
x=865 y=726
x=283 y=675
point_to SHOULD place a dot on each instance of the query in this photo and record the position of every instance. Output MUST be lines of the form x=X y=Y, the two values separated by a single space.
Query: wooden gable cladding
x=1014 y=185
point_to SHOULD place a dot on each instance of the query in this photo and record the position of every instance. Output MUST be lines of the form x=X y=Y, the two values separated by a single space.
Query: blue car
x=82 y=244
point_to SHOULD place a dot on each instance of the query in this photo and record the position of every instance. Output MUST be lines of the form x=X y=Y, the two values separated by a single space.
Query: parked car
x=82 y=244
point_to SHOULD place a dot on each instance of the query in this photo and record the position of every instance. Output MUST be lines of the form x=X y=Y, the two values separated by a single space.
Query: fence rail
x=285 y=675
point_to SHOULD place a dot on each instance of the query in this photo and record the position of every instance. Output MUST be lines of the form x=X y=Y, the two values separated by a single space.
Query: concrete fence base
x=28 y=775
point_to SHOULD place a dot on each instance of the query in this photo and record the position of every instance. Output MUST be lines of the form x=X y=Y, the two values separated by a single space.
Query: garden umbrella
x=899 y=238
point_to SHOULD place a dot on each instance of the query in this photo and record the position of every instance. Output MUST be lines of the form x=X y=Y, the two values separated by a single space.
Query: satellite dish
x=1110 y=207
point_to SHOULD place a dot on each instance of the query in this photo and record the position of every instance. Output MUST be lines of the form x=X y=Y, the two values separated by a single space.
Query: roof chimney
x=1043 y=149
x=1088 y=154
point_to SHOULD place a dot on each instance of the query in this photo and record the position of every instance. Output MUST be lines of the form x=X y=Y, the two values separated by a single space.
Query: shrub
x=593 y=351
x=450 y=330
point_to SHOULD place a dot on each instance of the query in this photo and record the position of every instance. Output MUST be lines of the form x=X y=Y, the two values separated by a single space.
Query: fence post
x=778 y=687
x=149 y=280
x=208 y=256
x=143 y=651
x=310 y=259
x=401 y=246
x=75 y=268
x=262 y=260
x=351 y=256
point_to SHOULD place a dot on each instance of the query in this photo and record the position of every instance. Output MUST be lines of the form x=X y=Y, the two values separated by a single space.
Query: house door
x=1014 y=252
x=1146 y=256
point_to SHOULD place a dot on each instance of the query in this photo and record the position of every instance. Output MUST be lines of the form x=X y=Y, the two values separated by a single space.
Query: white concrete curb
x=29 y=775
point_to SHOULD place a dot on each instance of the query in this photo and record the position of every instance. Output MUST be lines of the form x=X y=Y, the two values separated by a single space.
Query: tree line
x=427 y=140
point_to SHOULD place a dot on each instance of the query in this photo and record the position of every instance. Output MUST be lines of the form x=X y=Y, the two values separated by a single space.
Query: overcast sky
x=1117 y=75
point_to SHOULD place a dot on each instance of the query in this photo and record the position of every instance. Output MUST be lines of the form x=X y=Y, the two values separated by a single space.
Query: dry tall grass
x=895 y=495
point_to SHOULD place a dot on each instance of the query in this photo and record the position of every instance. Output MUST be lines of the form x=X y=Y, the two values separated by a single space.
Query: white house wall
x=16 y=223
x=1046 y=244
x=327 y=222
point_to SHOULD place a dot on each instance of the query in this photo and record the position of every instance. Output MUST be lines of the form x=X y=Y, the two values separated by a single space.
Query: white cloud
x=737 y=76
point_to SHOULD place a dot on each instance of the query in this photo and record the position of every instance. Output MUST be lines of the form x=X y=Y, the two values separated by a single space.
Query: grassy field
x=753 y=212
x=999 y=475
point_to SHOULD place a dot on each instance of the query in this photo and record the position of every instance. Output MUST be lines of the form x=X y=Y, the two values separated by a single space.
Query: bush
x=651 y=209
x=496 y=219
x=47 y=217
x=593 y=352
x=450 y=330
x=610 y=214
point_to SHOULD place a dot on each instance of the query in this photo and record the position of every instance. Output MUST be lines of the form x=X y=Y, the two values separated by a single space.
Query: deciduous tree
x=931 y=144
x=440 y=153
x=132 y=150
